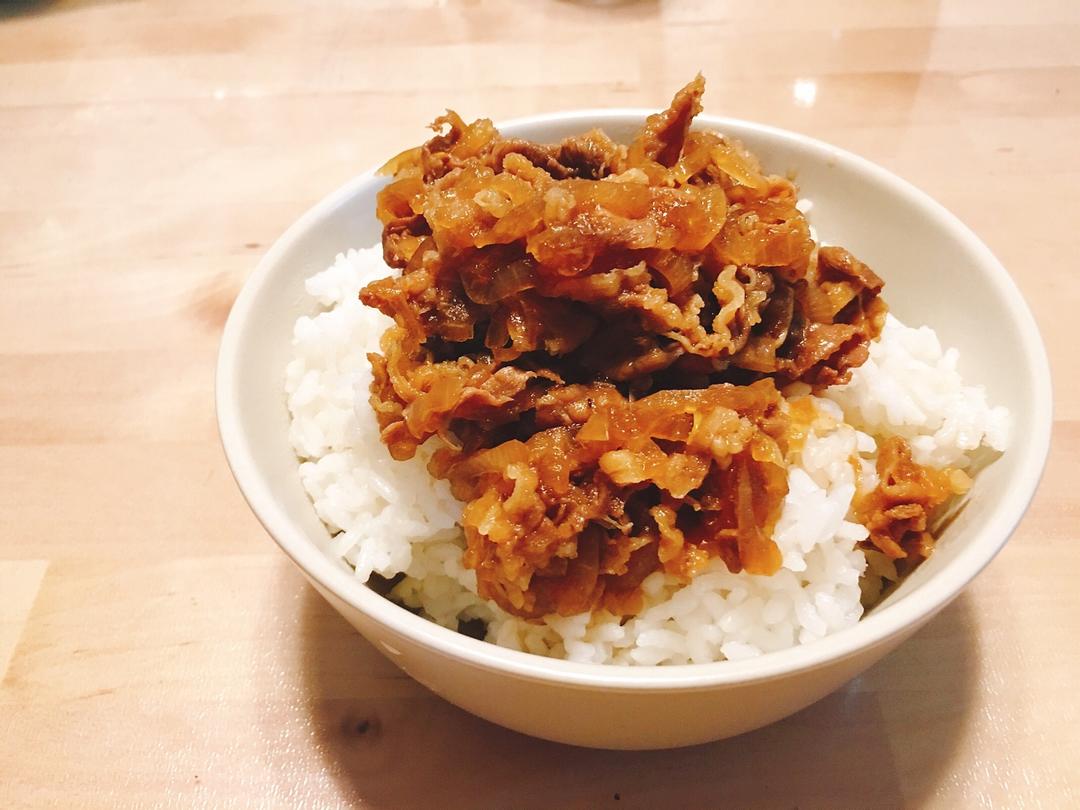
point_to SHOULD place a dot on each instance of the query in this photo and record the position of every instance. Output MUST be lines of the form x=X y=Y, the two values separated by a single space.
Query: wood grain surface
x=156 y=650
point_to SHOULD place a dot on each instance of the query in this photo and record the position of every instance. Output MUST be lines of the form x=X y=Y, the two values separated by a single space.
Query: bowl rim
x=871 y=631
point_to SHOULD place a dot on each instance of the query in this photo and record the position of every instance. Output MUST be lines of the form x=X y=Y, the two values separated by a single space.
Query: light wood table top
x=156 y=649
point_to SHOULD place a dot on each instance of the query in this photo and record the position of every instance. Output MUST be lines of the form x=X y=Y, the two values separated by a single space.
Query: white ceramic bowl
x=937 y=272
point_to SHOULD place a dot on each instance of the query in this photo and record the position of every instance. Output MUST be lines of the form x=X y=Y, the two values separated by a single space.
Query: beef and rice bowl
x=617 y=404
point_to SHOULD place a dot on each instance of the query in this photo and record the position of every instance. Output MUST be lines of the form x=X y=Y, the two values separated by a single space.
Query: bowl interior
x=936 y=273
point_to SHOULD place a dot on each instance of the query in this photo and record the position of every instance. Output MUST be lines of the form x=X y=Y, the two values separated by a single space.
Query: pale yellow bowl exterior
x=937 y=272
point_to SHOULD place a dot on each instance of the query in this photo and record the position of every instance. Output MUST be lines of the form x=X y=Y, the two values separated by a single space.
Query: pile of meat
x=597 y=332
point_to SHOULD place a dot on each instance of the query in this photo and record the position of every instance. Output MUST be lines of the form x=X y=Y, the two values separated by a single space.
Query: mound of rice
x=389 y=517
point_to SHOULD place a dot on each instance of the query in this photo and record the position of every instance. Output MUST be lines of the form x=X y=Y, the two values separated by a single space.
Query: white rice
x=910 y=387
x=389 y=517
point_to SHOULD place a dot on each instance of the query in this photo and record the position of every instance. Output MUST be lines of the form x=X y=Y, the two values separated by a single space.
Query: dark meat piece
x=592 y=156
x=661 y=139
x=898 y=511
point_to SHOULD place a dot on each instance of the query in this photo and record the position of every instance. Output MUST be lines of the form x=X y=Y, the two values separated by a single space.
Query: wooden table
x=155 y=647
